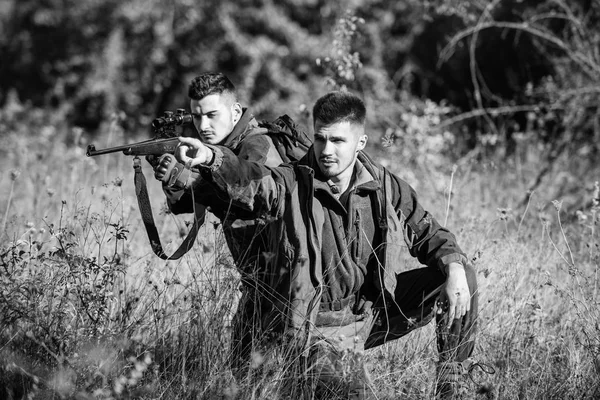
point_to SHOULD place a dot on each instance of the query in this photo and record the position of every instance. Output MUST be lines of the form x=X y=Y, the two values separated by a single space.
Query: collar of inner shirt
x=361 y=180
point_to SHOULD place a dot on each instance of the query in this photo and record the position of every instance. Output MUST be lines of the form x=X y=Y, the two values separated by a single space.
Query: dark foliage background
x=503 y=75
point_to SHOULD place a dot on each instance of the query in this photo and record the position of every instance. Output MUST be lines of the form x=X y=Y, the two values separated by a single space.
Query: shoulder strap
x=379 y=173
x=141 y=192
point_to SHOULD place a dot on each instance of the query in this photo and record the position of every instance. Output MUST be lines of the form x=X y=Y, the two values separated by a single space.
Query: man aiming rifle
x=221 y=120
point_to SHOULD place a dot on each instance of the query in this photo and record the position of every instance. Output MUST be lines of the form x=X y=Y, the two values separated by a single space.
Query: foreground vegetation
x=89 y=312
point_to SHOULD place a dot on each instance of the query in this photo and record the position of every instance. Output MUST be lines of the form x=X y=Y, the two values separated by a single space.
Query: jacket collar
x=240 y=130
x=363 y=179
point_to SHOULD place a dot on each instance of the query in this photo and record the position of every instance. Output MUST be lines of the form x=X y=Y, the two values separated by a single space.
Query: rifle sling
x=141 y=192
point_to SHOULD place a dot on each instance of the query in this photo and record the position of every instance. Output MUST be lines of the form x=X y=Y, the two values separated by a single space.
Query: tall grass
x=87 y=311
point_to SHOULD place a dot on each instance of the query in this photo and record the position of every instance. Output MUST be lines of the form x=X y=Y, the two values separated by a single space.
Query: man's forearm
x=454 y=268
x=250 y=187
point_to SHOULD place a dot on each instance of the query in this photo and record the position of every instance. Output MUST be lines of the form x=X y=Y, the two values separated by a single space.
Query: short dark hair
x=339 y=106
x=210 y=83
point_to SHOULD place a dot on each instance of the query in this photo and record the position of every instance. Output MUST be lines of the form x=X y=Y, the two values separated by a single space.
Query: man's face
x=336 y=147
x=215 y=117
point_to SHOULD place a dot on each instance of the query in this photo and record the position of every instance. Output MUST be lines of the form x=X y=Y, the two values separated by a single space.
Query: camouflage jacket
x=249 y=142
x=286 y=201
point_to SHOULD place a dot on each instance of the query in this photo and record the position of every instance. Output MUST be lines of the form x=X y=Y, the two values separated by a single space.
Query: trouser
x=256 y=327
x=339 y=337
x=412 y=306
x=408 y=311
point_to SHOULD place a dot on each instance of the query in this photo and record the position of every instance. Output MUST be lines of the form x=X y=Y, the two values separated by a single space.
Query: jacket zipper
x=357 y=229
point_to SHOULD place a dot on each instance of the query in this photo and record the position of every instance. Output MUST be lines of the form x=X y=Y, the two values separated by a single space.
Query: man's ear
x=362 y=142
x=236 y=112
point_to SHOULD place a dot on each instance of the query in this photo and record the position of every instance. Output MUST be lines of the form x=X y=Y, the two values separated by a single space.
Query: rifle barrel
x=91 y=150
x=146 y=147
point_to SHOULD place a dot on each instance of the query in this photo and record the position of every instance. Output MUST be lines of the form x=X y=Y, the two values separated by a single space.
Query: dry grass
x=88 y=312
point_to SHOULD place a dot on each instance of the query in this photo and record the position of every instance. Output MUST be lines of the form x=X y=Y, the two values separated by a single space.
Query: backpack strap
x=379 y=173
x=141 y=192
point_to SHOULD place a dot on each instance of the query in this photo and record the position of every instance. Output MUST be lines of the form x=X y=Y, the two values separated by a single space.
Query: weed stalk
x=14 y=174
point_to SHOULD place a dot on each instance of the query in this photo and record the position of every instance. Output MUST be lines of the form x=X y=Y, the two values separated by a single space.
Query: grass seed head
x=14 y=174
x=557 y=204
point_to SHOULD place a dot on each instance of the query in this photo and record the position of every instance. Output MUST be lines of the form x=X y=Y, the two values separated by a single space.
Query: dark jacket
x=249 y=142
x=287 y=201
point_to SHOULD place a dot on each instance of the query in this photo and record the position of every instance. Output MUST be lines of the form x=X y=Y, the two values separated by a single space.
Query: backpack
x=289 y=139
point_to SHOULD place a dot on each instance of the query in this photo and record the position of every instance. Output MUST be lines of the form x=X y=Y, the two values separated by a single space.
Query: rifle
x=165 y=141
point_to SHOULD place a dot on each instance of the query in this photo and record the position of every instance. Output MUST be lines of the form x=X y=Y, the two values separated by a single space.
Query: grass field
x=88 y=311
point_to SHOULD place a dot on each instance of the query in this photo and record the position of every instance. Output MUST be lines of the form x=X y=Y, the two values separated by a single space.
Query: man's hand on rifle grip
x=164 y=168
x=168 y=171
x=152 y=160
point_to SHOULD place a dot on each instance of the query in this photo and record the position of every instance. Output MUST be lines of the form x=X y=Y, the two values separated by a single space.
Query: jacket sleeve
x=258 y=148
x=246 y=188
x=179 y=201
x=432 y=244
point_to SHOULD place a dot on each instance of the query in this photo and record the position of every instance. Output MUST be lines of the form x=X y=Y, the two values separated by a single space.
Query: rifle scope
x=180 y=117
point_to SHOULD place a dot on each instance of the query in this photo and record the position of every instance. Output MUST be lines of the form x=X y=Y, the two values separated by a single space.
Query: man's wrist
x=210 y=157
x=207 y=156
x=213 y=158
x=453 y=267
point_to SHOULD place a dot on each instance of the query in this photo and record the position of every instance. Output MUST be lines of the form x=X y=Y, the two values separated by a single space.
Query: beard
x=329 y=167
x=333 y=168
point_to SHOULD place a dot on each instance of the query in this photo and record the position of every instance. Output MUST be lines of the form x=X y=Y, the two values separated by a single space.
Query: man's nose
x=204 y=123
x=328 y=148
